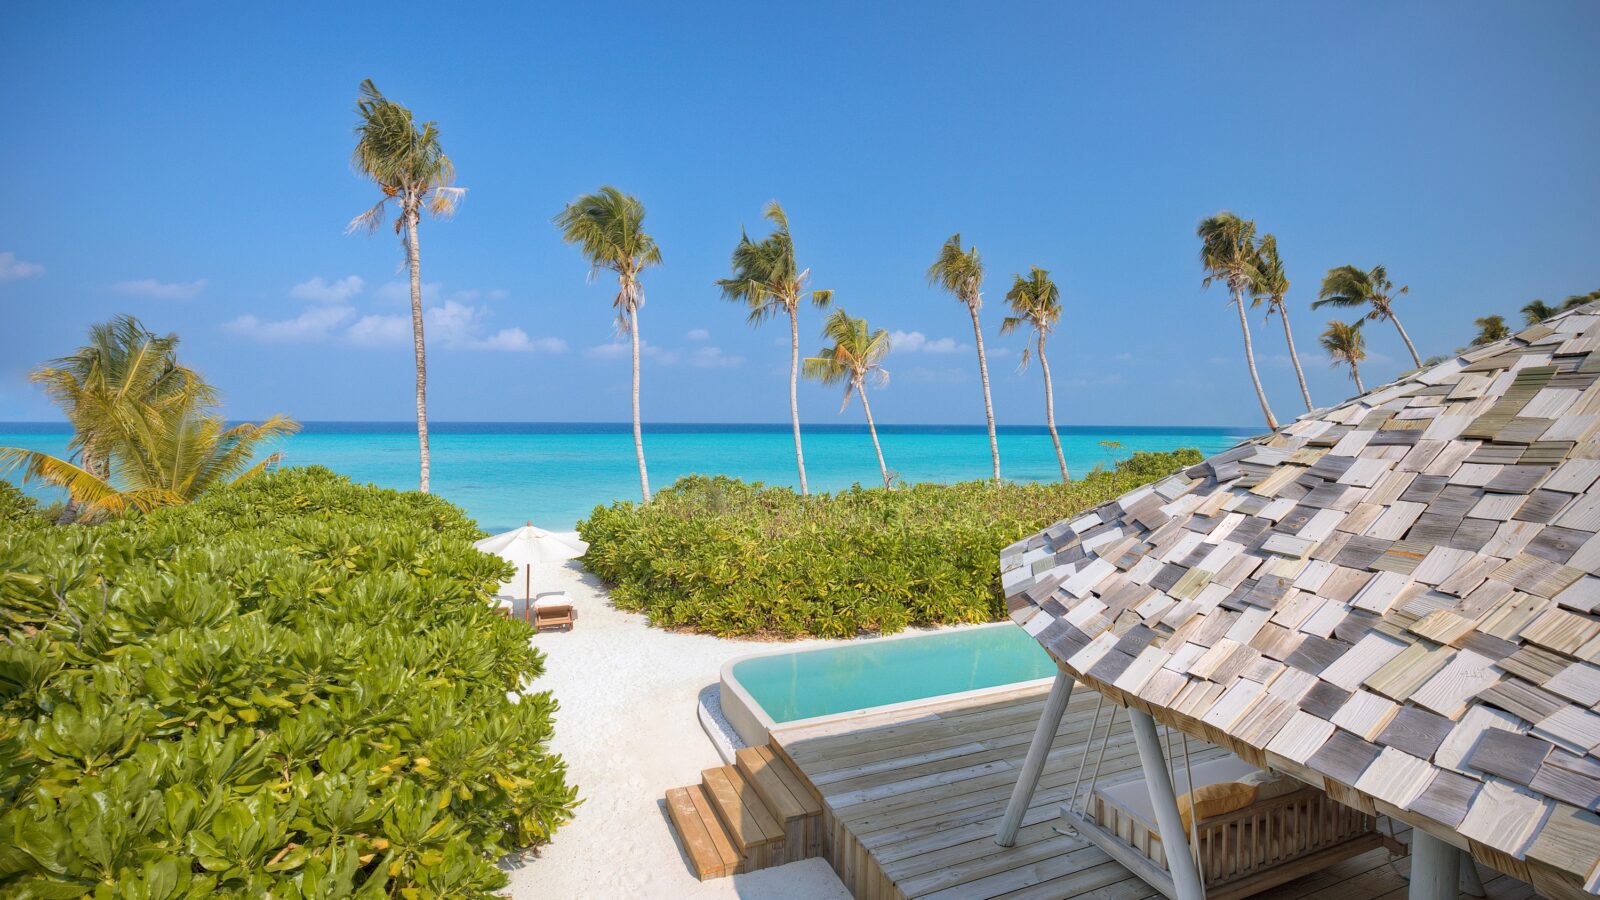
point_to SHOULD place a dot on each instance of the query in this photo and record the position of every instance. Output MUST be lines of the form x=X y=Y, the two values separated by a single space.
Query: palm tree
x=609 y=227
x=411 y=169
x=1577 y=300
x=767 y=279
x=144 y=431
x=856 y=354
x=1228 y=254
x=1036 y=300
x=1346 y=344
x=1490 y=329
x=1271 y=284
x=1536 y=311
x=961 y=273
x=1349 y=286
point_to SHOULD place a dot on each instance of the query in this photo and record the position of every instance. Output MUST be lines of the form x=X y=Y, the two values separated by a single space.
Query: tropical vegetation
x=853 y=356
x=411 y=169
x=768 y=281
x=1536 y=311
x=1036 y=303
x=1228 y=255
x=1350 y=287
x=1346 y=346
x=1270 y=285
x=732 y=558
x=146 y=431
x=1490 y=329
x=293 y=687
x=961 y=273
x=608 y=226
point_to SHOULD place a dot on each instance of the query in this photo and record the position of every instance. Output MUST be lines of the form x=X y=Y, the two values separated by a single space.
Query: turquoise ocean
x=553 y=474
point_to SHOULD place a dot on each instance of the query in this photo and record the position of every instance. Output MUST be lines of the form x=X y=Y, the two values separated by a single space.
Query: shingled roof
x=1393 y=598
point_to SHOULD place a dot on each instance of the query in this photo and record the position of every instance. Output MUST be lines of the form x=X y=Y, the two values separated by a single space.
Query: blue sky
x=189 y=164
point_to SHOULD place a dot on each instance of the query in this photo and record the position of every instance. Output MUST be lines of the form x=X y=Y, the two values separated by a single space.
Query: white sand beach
x=628 y=730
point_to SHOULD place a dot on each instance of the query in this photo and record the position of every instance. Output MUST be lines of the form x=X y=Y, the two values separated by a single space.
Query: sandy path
x=628 y=730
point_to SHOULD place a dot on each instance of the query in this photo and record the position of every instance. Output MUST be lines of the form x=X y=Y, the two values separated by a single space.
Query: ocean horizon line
x=493 y=426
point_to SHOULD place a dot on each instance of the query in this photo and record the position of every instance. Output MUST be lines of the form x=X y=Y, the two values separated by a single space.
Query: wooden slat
x=711 y=853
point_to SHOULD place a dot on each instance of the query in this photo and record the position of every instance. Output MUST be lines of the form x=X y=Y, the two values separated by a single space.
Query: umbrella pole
x=527 y=593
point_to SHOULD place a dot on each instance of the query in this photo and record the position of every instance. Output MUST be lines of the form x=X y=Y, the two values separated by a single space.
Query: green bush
x=723 y=556
x=291 y=688
x=18 y=509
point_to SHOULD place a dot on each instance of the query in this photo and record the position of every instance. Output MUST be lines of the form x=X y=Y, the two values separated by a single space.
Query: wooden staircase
x=754 y=815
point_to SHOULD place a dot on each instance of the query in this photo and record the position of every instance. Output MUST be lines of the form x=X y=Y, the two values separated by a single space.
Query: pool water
x=809 y=683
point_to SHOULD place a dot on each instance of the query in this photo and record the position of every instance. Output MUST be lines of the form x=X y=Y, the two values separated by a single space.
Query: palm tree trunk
x=1299 y=373
x=1250 y=360
x=1355 y=372
x=988 y=405
x=1050 y=409
x=638 y=433
x=414 y=260
x=69 y=512
x=1405 y=337
x=794 y=394
x=872 y=429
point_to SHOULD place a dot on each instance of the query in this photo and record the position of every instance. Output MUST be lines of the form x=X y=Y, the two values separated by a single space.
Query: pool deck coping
x=753 y=725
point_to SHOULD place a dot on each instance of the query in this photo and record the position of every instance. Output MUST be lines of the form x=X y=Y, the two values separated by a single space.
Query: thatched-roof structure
x=1394 y=598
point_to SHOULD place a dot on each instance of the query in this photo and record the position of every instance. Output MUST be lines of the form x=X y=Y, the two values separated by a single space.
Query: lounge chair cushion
x=553 y=601
x=1209 y=800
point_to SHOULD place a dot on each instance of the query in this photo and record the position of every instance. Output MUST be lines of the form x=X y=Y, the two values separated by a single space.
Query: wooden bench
x=1240 y=853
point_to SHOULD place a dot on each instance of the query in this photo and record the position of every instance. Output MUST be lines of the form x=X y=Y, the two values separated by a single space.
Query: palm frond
x=1344 y=342
x=1269 y=282
x=1227 y=250
x=84 y=487
x=1036 y=300
x=608 y=226
x=959 y=271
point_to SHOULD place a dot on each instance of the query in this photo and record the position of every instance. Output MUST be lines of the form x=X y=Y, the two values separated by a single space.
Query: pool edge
x=754 y=726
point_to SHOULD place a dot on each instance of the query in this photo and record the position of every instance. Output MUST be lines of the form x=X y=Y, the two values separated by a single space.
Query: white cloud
x=700 y=334
x=320 y=290
x=453 y=325
x=917 y=342
x=12 y=268
x=400 y=292
x=515 y=340
x=375 y=330
x=161 y=290
x=714 y=358
x=1123 y=357
x=315 y=324
x=620 y=349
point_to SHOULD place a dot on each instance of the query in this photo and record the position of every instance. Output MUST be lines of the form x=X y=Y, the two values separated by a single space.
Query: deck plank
x=917 y=796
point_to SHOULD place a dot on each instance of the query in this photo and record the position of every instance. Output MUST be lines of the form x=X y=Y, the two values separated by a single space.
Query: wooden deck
x=912 y=800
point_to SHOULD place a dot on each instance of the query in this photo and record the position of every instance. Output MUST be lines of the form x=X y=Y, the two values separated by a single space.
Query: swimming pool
x=759 y=692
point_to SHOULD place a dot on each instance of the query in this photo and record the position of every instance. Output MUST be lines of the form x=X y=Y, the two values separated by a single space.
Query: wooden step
x=786 y=796
x=710 y=849
x=741 y=810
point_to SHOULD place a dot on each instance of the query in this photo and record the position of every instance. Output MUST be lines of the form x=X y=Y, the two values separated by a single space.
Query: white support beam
x=1435 y=868
x=1033 y=766
x=1175 y=844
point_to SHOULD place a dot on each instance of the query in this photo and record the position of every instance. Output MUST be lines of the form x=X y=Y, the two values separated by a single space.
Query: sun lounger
x=553 y=610
x=1256 y=829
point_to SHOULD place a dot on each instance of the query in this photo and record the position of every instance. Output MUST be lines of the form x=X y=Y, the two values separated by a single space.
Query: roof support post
x=1028 y=780
x=1185 y=876
x=1435 y=868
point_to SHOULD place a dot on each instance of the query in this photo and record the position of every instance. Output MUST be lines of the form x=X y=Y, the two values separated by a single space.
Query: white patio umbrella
x=527 y=547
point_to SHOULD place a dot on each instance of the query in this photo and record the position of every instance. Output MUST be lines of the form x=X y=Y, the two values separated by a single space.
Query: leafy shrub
x=292 y=688
x=18 y=509
x=720 y=555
